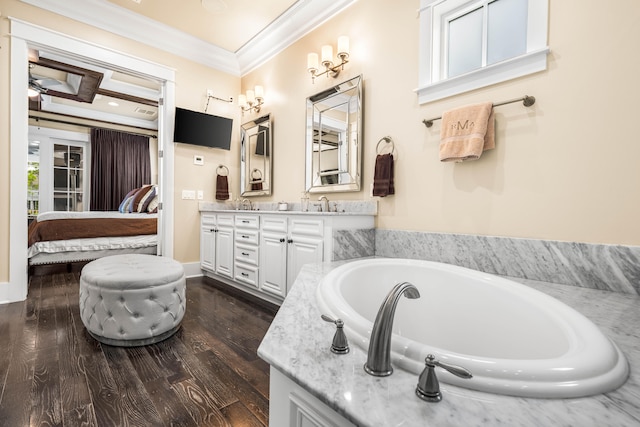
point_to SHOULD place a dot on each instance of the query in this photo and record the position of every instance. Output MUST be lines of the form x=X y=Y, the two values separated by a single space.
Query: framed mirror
x=256 y=148
x=333 y=143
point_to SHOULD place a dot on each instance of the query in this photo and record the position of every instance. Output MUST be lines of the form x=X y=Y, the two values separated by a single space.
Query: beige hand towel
x=466 y=132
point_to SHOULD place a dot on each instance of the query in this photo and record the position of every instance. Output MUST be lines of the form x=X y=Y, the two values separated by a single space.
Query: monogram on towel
x=466 y=132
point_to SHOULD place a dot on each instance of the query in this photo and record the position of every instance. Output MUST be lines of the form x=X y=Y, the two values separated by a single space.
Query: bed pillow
x=124 y=205
x=148 y=197
x=153 y=205
x=138 y=196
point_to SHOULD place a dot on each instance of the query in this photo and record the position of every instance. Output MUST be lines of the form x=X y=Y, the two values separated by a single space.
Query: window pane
x=465 y=43
x=507 y=30
x=60 y=155
x=60 y=201
x=60 y=182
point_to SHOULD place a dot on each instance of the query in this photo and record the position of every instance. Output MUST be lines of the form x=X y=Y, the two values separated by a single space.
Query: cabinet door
x=207 y=248
x=224 y=251
x=273 y=263
x=302 y=250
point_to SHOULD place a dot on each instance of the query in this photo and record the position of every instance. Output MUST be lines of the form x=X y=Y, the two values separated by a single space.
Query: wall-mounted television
x=193 y=127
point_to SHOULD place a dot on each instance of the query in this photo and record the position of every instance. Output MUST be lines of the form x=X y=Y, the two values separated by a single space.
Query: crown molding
x=297 y=21
x=118 y=20
x=300 y=19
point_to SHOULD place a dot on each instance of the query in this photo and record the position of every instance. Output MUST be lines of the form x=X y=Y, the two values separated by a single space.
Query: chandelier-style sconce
x=330 y=69
x=252 y=101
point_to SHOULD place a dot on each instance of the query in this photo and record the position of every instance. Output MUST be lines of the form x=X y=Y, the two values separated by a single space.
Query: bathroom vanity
x=310 y=385
x=261 y=251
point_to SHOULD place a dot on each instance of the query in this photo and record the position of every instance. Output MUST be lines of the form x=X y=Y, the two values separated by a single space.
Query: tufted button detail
x=136 y=315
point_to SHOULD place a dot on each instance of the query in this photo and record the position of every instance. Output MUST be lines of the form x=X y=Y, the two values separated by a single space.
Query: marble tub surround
x=337 y=207
x=605 y=267
x=353 y=243
x=297 y=344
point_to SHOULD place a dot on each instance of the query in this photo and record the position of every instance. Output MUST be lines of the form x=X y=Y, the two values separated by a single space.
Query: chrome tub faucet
x=379 y=356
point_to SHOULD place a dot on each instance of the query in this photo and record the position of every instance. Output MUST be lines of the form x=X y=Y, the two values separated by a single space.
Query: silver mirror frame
x=256 y=181
x=313 y=181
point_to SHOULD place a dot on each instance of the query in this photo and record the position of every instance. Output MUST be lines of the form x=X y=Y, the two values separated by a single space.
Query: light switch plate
x=188 y=195
x=200 y=195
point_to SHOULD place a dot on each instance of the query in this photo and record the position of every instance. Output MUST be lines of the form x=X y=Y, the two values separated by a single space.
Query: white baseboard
x=9 y=294
x=192 y=269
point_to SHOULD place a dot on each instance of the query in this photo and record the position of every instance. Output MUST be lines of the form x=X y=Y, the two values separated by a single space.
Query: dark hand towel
x=256 y=184
x=383 y=184
x=222 y=188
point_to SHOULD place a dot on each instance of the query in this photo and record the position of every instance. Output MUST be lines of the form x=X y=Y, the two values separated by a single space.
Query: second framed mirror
x=256 y=148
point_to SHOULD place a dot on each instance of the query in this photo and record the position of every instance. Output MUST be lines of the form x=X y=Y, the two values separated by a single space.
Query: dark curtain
x=120 y=162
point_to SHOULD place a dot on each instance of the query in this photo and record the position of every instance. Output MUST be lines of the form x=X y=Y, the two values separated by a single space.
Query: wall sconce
x=327 y=59
x=252 y=100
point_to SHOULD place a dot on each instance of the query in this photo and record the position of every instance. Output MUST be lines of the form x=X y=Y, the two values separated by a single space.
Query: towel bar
x=224 y=168
x=388 y=140
x=527 y=101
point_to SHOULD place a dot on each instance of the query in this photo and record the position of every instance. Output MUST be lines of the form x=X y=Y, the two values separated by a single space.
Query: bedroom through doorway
x=123 y=70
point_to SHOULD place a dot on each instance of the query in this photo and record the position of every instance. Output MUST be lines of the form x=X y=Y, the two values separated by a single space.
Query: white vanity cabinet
x=261 y=253
x=216 y=243
x=288 y=243
x=290 y=405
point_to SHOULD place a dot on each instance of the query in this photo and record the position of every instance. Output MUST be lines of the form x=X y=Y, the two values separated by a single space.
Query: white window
x=469 y=44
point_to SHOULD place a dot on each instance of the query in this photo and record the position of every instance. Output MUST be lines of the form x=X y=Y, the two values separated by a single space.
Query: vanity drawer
x=208 y=220
x=247 y=254
x=249 y=237
x=225 y=220
x=274 y=223
x=247 y=274
x=307 y=227
x=248 y=221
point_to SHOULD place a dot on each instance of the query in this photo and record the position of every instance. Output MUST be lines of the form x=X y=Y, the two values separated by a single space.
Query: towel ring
x=388 y=140
x=253 y=174
x=224 y=168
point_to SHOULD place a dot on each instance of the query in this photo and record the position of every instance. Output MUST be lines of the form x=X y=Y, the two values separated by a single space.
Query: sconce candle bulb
x=252 y=99
x=326 y=56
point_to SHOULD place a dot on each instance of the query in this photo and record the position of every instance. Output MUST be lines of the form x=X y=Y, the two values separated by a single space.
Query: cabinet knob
x=245 y=254
x=282 y=240
x=245 y=237
x=290 y=241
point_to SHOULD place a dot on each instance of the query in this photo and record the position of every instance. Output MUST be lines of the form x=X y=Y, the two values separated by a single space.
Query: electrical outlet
x=188 y=195
x=200 y=195
x=198 y=160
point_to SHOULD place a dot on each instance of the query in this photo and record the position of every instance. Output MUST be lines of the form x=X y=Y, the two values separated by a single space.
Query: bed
x=67 y=237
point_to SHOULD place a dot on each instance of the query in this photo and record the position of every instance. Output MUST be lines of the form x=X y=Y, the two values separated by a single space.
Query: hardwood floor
x=208 y=374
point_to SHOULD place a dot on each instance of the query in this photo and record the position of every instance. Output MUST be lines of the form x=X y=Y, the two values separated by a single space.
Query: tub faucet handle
x=339 y=344
x=428 y=387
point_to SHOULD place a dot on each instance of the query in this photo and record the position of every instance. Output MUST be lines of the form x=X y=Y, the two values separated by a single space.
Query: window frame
x=432 y=86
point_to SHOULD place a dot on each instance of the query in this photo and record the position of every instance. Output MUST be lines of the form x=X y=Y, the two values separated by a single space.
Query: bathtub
x=513 y=339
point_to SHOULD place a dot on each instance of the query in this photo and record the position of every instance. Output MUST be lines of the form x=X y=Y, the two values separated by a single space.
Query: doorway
x=24 y=37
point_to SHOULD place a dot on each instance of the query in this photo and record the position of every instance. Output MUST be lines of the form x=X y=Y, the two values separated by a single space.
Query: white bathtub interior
x=515 y=340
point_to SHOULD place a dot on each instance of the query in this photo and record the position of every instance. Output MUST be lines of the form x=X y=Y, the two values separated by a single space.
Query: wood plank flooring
x=52 y=373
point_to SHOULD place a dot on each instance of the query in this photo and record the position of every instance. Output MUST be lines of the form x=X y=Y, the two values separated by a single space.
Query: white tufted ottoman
x=132 y=300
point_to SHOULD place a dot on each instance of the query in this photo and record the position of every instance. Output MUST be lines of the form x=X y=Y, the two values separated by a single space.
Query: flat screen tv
x=193 y=127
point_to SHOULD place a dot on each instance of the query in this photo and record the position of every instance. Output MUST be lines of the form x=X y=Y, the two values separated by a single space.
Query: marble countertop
x=297 y=344
x=338 y=208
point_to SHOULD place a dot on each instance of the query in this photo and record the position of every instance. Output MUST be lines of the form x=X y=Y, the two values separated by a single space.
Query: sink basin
x=514 y=340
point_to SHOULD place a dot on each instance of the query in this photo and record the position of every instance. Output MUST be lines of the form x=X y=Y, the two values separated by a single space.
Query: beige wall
x=565 y=169
x=192 y=82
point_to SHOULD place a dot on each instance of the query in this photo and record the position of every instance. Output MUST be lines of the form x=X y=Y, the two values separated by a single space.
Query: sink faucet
x=244 y=204
x=325 y=203
x=379 y=356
